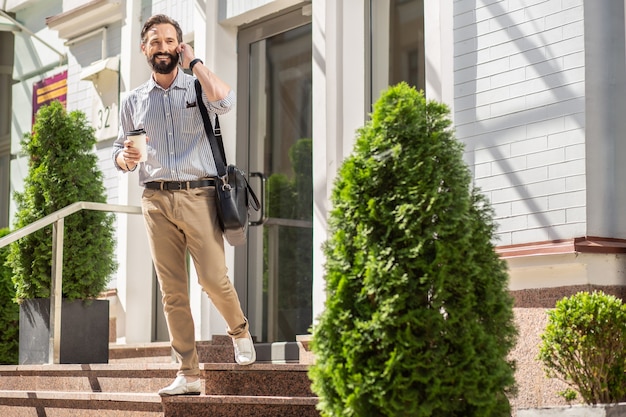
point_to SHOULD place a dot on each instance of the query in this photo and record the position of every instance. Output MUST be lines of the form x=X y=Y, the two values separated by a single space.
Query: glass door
x=275 y=138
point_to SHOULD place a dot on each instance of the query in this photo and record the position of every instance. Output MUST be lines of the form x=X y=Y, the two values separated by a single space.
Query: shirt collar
x=179 y=81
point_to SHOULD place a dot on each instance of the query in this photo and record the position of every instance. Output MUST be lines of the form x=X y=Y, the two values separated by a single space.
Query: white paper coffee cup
x=138 y=137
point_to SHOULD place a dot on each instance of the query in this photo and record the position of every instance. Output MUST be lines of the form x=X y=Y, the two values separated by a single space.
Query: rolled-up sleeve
x=221 y=106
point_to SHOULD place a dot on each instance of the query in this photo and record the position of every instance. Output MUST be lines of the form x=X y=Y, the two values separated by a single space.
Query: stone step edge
x=241 y=399
x=86 y=369
x=262 y=367
x=276 y=352
x=139 y=350
x=31 y=396
x=81 y=370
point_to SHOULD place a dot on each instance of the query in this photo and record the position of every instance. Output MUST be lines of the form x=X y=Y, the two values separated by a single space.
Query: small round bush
x=584 y=345
x=418 y=320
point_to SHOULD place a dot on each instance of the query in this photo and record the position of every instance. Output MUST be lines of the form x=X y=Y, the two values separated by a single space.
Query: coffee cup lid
x=135 y=132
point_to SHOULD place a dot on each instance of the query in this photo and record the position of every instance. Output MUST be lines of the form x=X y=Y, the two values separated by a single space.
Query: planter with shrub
x=584 y=345
x=418 y=320
x=62 y=169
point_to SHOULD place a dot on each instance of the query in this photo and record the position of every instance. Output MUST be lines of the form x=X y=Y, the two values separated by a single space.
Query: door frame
x=263 y=29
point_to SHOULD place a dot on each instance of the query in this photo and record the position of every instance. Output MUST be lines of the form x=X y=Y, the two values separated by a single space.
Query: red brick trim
x=589 y=244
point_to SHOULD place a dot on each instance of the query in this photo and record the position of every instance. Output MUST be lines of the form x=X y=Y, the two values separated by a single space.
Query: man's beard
x=163 y=67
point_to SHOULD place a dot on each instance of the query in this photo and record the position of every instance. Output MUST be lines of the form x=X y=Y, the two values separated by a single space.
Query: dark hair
x=158 y=19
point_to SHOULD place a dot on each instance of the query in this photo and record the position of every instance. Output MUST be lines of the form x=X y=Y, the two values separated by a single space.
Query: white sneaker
x=244 y=350
x=180 y=386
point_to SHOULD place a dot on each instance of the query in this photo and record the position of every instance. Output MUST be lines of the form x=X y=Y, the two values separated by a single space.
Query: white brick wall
x=81 y=94
x=179 y=10
x=519 y=109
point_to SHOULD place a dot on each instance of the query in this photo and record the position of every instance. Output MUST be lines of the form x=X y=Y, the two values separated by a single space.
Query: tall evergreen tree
x=417 y=320
x=62 y=169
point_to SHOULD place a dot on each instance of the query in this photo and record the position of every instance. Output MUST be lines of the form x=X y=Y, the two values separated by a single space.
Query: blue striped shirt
x=178 y=148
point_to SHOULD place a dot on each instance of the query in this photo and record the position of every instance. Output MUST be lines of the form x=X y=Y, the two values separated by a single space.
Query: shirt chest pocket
x=191 y=120
x=190 y=117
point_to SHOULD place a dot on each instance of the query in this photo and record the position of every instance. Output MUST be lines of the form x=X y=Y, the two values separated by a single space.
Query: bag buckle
x=225 y=185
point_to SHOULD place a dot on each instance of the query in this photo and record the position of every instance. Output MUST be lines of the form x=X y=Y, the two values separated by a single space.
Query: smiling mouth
x=161 y=64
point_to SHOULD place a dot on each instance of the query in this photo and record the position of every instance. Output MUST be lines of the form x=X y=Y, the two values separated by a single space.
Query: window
x=396 y=44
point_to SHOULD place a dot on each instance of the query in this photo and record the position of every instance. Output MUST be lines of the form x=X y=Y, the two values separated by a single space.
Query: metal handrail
x=57 y=220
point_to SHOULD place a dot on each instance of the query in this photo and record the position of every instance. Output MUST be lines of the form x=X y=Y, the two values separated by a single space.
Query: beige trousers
x=177 y=222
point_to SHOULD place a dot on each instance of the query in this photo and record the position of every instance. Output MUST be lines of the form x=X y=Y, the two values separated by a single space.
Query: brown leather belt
x=179 y=185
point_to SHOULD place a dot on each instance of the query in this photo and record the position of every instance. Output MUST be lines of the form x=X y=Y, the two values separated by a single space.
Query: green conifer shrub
x=9 y=311
x=418 y=320
x=584 y=345
x=62 y=170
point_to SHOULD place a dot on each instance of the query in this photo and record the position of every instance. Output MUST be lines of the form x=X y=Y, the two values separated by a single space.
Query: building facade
x=535 y=89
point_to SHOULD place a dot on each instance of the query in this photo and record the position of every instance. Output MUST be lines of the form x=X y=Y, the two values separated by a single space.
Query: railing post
x=56 y=293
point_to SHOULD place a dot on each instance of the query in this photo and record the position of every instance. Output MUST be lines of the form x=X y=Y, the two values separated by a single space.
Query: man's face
x=160 y=48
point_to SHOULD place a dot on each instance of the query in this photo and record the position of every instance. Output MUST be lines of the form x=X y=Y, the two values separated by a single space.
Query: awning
x=99 y=67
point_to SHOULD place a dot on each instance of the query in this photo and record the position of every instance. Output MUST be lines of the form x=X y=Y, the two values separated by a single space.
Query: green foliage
x=9 y=311
x=569 y=395
x=292 y=198
x=62 y=170
x=584 y=345
x=418 y=320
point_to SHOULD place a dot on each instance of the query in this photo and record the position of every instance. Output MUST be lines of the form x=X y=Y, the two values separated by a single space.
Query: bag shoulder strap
x=215 y=139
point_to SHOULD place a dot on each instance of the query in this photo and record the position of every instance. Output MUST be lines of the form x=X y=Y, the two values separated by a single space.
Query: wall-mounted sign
x=48 y=90
x=104 y=109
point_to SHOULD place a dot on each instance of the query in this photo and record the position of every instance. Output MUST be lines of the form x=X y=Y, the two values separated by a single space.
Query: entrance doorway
x=274 y=272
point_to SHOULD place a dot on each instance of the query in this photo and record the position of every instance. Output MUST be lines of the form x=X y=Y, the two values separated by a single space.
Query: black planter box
x=84 y=331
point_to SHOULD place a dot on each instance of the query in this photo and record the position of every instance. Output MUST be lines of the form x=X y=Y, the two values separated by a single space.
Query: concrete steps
x=127 y=387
